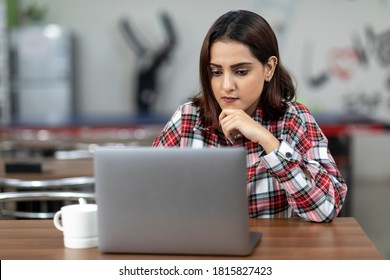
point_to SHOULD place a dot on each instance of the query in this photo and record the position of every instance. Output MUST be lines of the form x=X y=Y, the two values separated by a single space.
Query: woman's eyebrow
x=232 y=66
x=215 y=65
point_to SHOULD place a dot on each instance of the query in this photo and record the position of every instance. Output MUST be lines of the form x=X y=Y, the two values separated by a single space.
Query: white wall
x=316 y=37
x=370 y=191
x=347 y=44
x=107 y=65
x=4 y=75
x=371 y=153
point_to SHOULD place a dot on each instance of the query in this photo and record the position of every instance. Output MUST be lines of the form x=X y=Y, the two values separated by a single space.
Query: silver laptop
x=173 y=201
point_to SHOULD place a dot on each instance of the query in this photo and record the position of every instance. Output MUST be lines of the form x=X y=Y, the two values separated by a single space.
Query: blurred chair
x=38 y=196
x=40 y=199
x=54 y=183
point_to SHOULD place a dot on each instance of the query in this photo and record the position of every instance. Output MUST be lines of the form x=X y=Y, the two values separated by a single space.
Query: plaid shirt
x=277 y=186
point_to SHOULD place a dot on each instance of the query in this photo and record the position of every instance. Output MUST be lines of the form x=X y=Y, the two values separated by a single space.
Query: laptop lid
x=172 y=201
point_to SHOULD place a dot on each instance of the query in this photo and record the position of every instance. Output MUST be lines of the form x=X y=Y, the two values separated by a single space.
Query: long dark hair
x=252 y=30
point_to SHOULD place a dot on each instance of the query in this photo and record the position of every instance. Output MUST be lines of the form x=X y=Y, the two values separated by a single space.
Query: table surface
x=282 y=239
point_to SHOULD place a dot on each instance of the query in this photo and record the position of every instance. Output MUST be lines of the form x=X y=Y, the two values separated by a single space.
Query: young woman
x=248 y=100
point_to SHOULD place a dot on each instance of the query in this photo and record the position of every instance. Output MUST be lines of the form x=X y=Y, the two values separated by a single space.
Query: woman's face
x=237 y=76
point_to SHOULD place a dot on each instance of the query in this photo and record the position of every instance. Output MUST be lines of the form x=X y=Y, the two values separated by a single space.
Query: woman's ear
x=270 y=67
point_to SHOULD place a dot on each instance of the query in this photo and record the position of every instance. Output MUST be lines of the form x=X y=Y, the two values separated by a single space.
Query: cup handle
x=56 y=220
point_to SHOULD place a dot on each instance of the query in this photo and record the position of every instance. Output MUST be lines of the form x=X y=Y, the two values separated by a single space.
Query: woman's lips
x=229 y=99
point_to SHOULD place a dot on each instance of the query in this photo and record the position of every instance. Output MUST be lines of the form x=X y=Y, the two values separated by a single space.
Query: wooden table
x=282 y=239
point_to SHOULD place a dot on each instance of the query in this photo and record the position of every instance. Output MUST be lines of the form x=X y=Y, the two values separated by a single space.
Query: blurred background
x=74 y=74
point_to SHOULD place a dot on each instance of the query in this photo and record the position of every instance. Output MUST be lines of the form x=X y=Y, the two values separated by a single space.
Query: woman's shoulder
x=297 y=110
x=185 y=112
x=188 y=108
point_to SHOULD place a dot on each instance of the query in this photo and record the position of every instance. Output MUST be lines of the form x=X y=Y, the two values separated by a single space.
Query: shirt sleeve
x=304 y=147
x=170 y=135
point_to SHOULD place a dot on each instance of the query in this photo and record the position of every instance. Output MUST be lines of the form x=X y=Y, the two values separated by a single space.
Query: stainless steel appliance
x=42 y=74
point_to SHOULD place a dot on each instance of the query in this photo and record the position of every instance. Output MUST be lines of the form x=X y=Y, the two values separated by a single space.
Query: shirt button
x=288 y=155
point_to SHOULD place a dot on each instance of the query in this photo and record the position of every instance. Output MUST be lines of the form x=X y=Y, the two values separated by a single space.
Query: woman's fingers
x=230 y=122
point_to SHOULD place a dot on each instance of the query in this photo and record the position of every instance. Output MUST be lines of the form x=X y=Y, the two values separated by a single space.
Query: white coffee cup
x=79 y=225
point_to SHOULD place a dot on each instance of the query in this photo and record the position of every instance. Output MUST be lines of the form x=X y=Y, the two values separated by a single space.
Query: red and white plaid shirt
x=277 y=186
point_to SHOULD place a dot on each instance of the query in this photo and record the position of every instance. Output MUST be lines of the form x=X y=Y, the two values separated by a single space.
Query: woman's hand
x=234 y=122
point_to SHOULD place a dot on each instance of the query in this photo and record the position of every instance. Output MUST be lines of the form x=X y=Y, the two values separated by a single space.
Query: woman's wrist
x=268 y=142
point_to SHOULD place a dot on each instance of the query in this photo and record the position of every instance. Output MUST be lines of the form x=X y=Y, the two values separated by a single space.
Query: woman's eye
x=242 y=72
x=216 y=73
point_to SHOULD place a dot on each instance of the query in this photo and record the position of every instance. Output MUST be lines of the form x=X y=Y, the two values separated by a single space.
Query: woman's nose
x=228 y=83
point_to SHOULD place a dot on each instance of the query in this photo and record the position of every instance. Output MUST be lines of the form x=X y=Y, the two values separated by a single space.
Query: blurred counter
x=79 y=135
x=47 y=141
